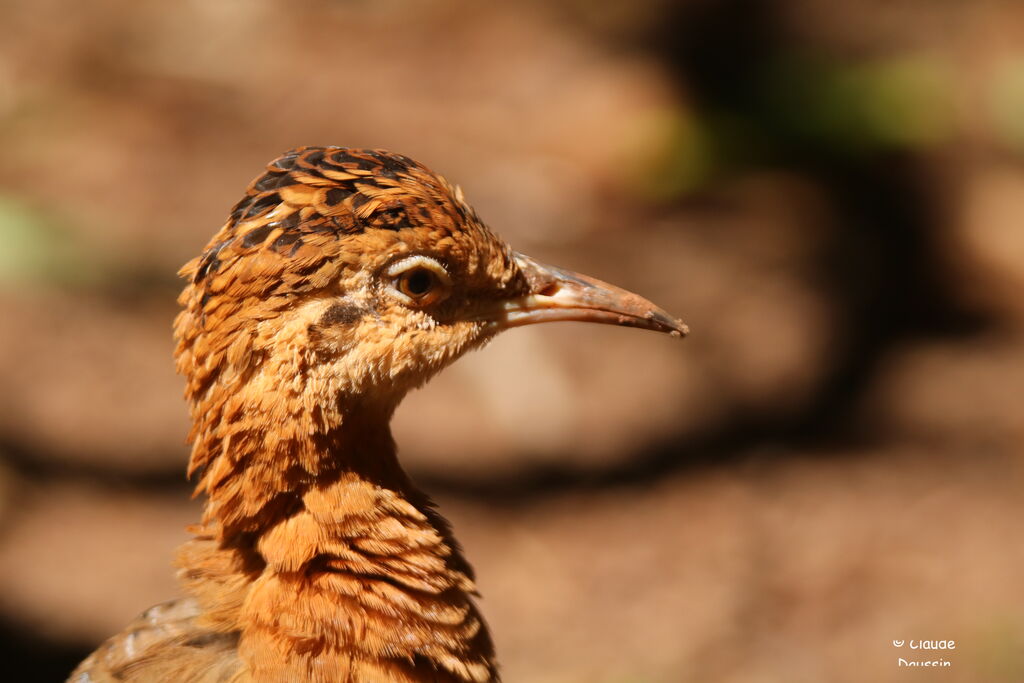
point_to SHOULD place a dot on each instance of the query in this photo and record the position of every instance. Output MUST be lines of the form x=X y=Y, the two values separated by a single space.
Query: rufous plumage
x=341 y=280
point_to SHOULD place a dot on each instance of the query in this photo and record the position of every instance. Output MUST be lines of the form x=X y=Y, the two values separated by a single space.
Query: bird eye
x=419 y=281
x=416 y=283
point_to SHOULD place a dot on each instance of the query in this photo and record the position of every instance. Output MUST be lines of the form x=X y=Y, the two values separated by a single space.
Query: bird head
x=345 y=277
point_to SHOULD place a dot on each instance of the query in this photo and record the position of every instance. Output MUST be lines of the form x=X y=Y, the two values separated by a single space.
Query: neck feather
x=319 y=551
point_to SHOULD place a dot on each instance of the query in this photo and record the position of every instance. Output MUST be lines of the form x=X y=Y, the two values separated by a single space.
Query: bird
x=341 y=280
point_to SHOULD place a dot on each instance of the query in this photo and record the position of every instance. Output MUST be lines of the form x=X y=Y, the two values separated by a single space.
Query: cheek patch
x=341 y=314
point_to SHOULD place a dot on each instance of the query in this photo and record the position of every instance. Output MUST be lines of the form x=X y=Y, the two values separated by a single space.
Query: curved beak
x=557 y=294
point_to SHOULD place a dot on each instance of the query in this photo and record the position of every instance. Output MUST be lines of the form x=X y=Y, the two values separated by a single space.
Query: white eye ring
x=418 y=281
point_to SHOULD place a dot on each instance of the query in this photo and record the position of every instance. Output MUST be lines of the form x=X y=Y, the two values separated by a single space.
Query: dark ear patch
x=341 y=314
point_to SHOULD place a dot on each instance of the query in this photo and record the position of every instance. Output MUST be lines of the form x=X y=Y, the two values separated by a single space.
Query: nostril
x=549 y=289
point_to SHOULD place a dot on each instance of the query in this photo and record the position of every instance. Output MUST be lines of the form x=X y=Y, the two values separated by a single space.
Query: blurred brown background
x=831 y=193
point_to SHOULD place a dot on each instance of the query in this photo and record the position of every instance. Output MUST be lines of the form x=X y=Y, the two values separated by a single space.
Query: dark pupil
x=419 y=282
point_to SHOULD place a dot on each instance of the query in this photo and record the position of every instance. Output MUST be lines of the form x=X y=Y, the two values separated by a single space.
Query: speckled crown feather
x=312 y=195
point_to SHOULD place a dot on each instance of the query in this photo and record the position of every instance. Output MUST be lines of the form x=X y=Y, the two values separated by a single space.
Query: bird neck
x=320 y=551
x=257 y=462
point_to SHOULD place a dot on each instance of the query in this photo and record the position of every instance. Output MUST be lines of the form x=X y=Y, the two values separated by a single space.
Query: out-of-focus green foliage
x=862 y=107
x=676 y=155
x=1008 y=104
x=37 y=249
x=40 y=250
x=803 y=106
